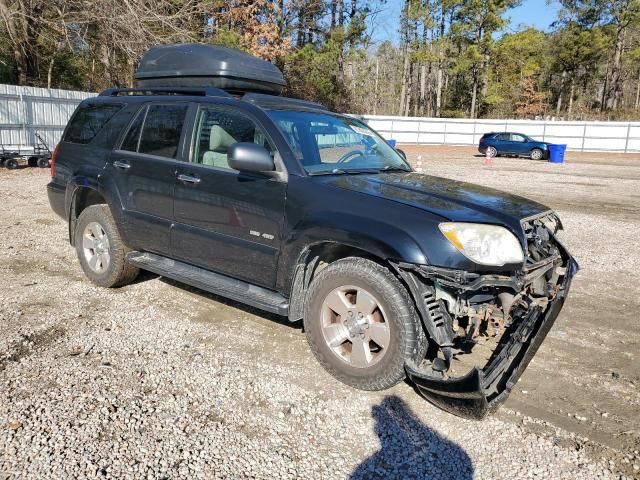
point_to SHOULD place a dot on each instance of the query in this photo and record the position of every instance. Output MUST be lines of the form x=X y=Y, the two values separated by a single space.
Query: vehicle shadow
x=231 y=303
x=410 y=449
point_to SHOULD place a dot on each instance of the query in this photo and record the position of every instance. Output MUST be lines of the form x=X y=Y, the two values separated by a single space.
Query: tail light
x=52 y=162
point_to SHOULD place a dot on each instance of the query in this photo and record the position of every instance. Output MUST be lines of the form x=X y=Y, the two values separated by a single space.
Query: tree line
x=454 y=58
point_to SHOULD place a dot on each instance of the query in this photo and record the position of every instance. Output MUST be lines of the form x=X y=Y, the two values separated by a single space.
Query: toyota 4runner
x=204 y=174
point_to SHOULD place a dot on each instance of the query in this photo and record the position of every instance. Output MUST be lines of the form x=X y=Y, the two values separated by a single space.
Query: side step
x=211 y=282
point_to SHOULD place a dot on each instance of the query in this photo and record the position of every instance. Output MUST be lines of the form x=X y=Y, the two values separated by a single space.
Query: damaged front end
x=485 y=328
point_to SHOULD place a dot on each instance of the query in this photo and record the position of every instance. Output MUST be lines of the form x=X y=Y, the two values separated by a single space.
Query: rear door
x=227 y=221
x=520 y=144
x=144 y=168
x=503 y=143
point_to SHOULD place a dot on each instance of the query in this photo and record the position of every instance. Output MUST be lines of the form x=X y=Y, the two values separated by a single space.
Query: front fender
x=377 y=238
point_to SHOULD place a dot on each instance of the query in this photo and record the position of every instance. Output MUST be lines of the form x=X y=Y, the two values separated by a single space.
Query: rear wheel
x=361 y=325
x=11 y=163
x=536 y=154
x=43 y=162
x=102 y=254
x=492 y=152
x=32 y=161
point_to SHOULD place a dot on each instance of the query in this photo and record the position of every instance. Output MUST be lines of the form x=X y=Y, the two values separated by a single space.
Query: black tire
x=536 y=154
x=2 y=160
x=407 y=339
x=43 y=162
x=118 y=272
x=32 y=161
x=11 y=163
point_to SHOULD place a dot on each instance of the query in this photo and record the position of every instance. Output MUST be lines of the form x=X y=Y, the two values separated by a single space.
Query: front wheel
x=102 y=254
x=361 y=325
x=536 y=154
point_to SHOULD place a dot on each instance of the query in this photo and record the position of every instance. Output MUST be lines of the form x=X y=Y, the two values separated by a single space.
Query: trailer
x=38 y=156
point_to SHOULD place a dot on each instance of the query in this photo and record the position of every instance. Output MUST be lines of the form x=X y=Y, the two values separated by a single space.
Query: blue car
x=509 y=143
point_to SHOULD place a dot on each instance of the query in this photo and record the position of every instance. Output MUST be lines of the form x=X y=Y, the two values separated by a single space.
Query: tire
x=11 y=163
x=492 y=152
x=405 y=338
x=104 y=263
x=43 y=162
x=32 y=161
x=536 y=154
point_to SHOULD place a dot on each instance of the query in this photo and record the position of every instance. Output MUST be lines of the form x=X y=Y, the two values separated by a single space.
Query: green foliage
x=313 y=73
x=227 y=38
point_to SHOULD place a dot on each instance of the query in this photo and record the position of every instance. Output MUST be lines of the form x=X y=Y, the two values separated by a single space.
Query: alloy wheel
x=95 y=244
x=536 y=154
x=354 y=326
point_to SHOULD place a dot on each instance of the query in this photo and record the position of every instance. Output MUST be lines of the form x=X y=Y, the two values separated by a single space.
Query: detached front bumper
x=482 y=390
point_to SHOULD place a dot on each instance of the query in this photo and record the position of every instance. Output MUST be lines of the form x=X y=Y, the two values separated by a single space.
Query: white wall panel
x=26 y=110
x=609 y=136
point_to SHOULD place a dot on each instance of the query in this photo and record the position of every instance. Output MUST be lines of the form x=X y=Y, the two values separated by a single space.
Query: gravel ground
x=158 y=380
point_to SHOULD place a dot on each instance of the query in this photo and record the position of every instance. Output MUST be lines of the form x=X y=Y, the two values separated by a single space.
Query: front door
x=227 y=221
x=144 y=169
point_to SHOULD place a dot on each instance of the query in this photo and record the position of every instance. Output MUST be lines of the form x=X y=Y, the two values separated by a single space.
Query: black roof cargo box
x=199 y=65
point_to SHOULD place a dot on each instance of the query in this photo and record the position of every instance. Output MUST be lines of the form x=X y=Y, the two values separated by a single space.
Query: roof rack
x=274 y=101
x=188 y=91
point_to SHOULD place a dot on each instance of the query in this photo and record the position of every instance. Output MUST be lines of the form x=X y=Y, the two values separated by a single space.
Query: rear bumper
x=482 y=391
x=56 y=194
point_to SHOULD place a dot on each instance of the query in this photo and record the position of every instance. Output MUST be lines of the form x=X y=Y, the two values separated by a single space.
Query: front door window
x=218 y=129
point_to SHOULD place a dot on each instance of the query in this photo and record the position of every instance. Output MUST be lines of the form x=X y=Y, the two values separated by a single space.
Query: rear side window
x=88 y=121
x=503 y=136
x=156 y=131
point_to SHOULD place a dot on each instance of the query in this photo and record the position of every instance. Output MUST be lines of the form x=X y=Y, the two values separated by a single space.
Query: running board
x=211 y=282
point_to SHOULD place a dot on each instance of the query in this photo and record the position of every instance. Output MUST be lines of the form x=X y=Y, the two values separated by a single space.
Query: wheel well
x=83 y=197
x=312 y=261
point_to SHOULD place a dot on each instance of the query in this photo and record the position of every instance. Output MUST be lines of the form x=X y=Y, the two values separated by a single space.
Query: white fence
x=25 y=111
x=583 y=136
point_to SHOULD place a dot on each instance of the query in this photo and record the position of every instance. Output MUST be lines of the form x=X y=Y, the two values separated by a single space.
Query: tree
x=477 y=21
x=532 y=103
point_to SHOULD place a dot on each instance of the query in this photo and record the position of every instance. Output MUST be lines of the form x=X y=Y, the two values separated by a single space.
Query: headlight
x=484 y=244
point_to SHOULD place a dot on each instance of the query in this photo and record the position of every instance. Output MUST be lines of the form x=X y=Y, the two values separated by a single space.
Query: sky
x=536 y=13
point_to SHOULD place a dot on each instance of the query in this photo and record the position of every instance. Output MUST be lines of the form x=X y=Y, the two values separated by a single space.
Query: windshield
x=327 y=143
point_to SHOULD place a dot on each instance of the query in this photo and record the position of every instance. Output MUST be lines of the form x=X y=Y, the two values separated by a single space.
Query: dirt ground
x=580 y=393
x=586 y=376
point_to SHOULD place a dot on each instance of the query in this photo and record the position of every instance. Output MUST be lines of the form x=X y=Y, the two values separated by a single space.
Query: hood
x=450 y=199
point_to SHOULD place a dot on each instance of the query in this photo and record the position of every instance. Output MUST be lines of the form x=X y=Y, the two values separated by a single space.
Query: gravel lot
x=158 y=380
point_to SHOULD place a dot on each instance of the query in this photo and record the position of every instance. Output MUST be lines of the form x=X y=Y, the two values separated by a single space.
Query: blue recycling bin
x=556 y=153
x=392 y=142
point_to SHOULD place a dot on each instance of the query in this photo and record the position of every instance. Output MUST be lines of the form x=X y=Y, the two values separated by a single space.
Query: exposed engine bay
x=482 y=325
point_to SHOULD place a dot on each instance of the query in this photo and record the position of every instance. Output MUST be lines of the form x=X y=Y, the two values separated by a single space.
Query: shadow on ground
x=410 y=449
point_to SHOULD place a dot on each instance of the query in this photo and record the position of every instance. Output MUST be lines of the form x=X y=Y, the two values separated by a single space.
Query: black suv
x=283 y=205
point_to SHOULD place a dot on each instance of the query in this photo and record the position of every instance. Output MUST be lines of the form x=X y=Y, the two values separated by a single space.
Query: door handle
x=121 y=165
x=188 y=179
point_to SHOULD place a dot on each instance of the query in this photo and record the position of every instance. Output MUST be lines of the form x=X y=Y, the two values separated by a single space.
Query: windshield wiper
x=391 y=168
x=340 y=171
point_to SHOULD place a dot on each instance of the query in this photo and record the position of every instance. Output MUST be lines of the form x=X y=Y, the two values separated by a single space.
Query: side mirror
x=402 y=154
x=249 y=157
